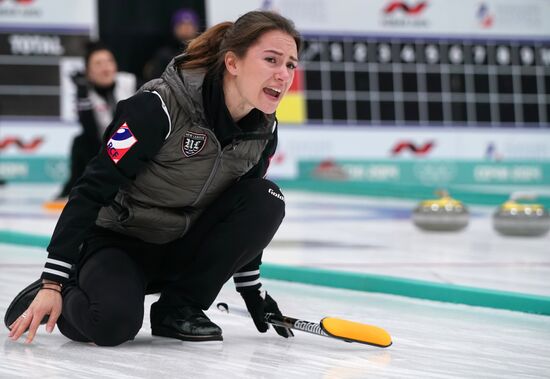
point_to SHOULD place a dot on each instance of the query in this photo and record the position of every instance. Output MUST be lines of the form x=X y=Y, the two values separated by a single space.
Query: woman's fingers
x=54 y=315
x=23 y=323
x=13 y=326
x=35 y=323
x=45 y=303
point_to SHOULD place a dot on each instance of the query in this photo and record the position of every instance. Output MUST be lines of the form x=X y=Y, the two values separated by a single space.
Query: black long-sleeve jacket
x=138 y=135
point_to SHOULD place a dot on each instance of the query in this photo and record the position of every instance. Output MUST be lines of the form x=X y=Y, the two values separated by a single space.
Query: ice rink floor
x=430 y=339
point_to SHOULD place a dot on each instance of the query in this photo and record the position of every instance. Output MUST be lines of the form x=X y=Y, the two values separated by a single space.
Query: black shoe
x=187 y=323
x=21 y=302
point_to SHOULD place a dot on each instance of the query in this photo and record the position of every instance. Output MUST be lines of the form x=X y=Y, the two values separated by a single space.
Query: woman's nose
x=282 y=74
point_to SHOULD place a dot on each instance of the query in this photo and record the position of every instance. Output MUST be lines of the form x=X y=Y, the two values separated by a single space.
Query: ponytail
x=203 y=51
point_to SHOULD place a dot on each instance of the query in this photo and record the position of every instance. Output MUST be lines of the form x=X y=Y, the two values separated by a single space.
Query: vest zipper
x=215 y=167
x=210 y=177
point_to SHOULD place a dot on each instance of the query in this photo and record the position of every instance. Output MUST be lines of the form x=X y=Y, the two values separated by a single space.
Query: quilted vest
x=188 y=173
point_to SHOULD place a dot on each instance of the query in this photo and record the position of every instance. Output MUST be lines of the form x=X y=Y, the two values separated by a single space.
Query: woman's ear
x=231 y=62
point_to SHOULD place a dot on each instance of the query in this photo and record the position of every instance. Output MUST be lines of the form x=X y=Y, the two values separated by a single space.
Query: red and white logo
x=26 y=146
x=120 y=142
x=404 y=7
x=413 y=148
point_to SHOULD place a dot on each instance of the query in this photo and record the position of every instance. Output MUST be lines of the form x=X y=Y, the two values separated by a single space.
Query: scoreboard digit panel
x=361 y=80
x=30 y=72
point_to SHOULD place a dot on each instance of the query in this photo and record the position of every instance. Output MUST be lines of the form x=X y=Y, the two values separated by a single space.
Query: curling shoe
x=187 y=323
x=21 y=302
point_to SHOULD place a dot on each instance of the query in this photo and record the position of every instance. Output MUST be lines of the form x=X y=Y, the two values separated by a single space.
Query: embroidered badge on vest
x=193 y=143
x=120 y=142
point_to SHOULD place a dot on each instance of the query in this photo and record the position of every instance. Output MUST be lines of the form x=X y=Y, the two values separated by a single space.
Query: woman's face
x=262 y=77
x=102 y=68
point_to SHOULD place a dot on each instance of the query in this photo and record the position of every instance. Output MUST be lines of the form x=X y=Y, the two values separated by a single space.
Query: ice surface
x=431 y=339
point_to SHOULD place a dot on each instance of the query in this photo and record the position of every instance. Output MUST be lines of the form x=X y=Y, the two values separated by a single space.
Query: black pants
x=106 y=306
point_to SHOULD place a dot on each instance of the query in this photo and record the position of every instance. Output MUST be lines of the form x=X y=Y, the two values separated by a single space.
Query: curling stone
x=443 y=214
x=519 y=219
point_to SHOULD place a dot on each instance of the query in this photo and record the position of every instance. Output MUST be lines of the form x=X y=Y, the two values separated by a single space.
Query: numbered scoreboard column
x=354 y=80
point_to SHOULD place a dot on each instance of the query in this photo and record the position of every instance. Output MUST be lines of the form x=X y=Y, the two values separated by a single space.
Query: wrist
x=51 y=282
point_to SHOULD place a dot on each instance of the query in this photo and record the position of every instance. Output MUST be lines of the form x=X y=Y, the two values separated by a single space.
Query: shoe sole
x=165 y=332
x=31 y=287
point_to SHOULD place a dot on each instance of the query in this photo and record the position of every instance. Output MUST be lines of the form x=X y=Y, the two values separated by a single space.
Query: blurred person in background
x=176 y=201
x=98 y=90
x=185 y=26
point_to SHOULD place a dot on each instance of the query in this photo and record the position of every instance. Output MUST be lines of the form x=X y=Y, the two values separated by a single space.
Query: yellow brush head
x=356 y=332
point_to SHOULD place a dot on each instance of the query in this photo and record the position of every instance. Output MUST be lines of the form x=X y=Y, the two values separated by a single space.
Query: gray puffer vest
x=187 y=174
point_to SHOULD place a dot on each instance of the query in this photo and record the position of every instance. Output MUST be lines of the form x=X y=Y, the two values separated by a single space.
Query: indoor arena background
x=394 y=102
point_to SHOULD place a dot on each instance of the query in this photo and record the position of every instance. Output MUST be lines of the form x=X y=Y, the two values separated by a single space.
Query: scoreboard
x=426 y=81
x=465 y=63
x=41 y=44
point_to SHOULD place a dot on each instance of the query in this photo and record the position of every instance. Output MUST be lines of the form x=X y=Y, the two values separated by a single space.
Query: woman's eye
x=292 y=66
x=270 y=59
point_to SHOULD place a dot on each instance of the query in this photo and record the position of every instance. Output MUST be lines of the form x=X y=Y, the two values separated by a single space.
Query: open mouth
x=275 y=93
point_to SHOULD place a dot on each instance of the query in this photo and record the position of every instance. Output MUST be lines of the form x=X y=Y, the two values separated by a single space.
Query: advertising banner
x=36 y=152
x=493 y=18
x=414 y=143
x=75 y=15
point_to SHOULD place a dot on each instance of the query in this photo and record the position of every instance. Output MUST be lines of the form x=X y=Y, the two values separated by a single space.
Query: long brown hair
x=208 y=50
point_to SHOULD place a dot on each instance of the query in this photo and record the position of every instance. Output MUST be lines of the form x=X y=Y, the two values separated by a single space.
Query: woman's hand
x=48 y=301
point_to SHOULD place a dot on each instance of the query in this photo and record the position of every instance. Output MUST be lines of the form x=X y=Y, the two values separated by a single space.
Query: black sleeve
x=87 y=119
x=248 y=276
x=135 y=135
x=85 y=108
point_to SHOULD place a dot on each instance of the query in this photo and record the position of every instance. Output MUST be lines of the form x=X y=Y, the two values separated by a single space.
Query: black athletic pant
x=106 y=307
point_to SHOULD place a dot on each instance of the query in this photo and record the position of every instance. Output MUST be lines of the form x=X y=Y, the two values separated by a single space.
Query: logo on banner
x=405 y=8
x=18 y=143
x=413 y=148
x=120 y=142
x=193 y=143
x=484 y=17
x=22 y=2
x=404 y=14
x=267 y=5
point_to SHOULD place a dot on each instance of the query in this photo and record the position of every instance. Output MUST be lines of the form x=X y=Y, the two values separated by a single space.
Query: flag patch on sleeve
x=120 y=142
